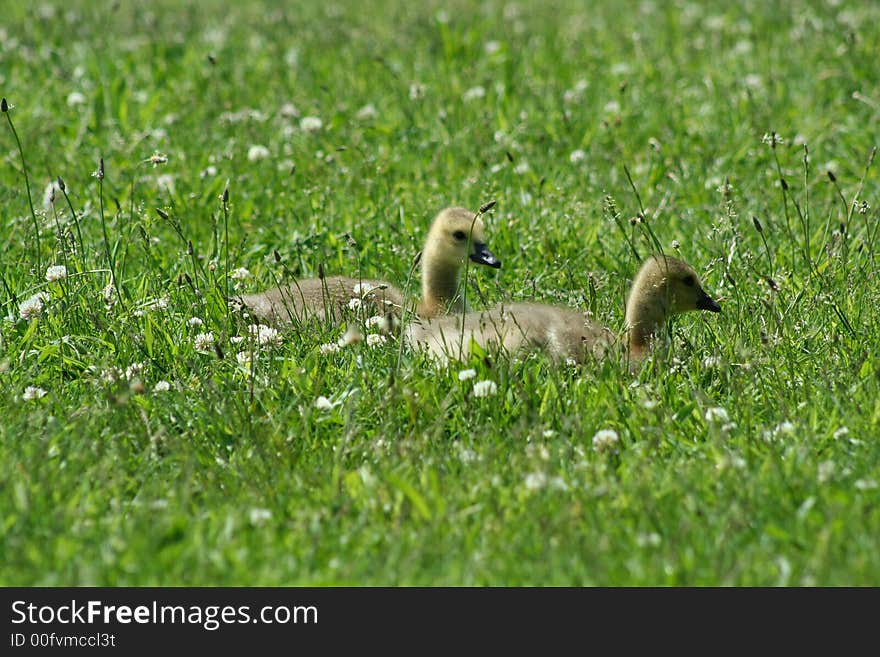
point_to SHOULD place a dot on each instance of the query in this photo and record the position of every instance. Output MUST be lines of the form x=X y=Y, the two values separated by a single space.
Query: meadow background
x=136 y=450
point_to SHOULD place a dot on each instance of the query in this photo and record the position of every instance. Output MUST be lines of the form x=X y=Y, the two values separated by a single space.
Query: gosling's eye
x=688 y=280
x=459 y=235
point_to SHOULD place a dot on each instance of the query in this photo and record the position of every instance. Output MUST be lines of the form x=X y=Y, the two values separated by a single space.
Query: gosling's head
x=451 y=240
x=672 y=285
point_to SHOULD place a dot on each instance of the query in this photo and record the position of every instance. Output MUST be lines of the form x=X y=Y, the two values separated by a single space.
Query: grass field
x=134 y=450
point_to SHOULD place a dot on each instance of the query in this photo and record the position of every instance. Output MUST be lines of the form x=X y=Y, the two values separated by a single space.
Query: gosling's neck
x=439 y=287
x=644 y=320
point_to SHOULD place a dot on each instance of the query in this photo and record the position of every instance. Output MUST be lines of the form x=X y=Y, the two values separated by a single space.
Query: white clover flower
x=725 y=188
x=157 y=158
x=464 y=375
x=134 y=370
x=558 y=483
x=485 y=388
x=467 y=455
x=840 y=433
x=753 y=81
x=824 y=471
x=575 y=94
x=772 y=139
x=194 y=321
x=243 y=358
x=32 y=307
x=651 y=539
x=56 y=273
x=375 y=339
x=311 y=124
x=75 y=98
x=111 y=374
x=257 y=152
x=204 y=342
x=162 y=386
x=612 y=107
x=264 y=335
x=210 y=171
x=865 y=484
x=354 y=304
x=328 y=348
x=578 y=155
x=377 y=321
x=728 y=461
x=522 y=167
x=362 y=288
x=605 y=439
x=416 y=91
x=259 y=516
x=269 y=336
x=291 y=58
x=367 y=113
x=474 y=93
x=289 y=111
x=785 y=428
x=166 y=182
x=324 y=404
x=535 y=481
x=676 y=245
x=239 y=274
x=491 y=47
x=236 y=339
x=710 y=362
x=717 y=414
x=32 y=392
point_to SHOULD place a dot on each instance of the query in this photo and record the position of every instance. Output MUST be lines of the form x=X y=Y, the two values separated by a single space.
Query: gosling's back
x=333 y=297
x=562 y=332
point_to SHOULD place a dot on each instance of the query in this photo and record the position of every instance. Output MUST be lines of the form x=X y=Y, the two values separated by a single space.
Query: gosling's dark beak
x=484 y=256
x=705 y=302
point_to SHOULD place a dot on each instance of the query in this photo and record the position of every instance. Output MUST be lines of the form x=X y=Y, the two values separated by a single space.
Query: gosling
x=450 y=242
x=664 y=286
